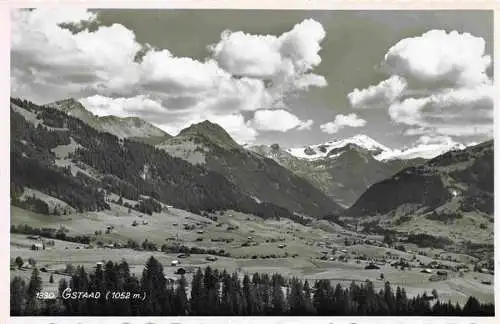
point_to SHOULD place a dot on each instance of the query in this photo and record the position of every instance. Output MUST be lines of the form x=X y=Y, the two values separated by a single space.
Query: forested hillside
x=125 y=167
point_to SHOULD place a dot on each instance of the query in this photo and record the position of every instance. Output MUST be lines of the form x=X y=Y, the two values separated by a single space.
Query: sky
x=295 y=78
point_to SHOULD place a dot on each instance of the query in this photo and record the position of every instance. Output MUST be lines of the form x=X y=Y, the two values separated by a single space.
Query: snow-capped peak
x=424 y=151
x=362 y=141
x=319 y=151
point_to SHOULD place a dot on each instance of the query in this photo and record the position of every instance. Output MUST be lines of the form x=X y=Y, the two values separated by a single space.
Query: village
x=184 y=242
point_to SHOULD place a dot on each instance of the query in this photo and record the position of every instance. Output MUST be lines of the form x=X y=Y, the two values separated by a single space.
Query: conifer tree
x=34 y=287
x=17 y=296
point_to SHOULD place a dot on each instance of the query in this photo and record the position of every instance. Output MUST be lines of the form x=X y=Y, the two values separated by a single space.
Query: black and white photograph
x=223 y=162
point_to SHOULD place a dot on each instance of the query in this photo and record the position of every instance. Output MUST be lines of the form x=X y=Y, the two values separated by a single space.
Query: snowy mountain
x=334 y=148
x=424 y=151
x=427 y=149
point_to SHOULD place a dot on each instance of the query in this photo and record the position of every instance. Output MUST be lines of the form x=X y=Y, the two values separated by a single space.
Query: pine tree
x=471 y=307
x=51 y=278
x=197 y=297
x=17 y=296
x=153 y=283
x=34 y=287
x=19 y=262
x=278 y=298
x=181 y=300
x=247 y=297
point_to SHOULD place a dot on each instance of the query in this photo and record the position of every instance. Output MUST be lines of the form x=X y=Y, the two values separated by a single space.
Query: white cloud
x=341 y=121
x=244 y=72
x=278 y=120
x=378 y=95
x=123 y=107
x=284 y=61
x=47 y=57
x=438 y=85
x=440 y=58
x=459 y=112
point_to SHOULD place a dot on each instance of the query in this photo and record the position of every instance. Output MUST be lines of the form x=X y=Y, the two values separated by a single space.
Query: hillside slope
x=450 y=193
x=63 y=157
x=262 y=178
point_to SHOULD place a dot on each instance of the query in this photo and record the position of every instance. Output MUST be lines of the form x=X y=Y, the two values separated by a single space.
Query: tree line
x=220 y=293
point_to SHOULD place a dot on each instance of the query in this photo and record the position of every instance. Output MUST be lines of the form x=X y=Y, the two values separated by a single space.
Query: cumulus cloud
x=341 y=121
x=438 y=85
x=278 y=120
x=243 y=72
x=439 y=58
x=378 y=95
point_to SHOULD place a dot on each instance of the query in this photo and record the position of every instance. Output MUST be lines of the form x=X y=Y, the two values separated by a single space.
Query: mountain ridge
x=123 y=127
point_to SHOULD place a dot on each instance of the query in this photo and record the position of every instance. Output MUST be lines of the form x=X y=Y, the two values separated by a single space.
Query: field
x=273 y=246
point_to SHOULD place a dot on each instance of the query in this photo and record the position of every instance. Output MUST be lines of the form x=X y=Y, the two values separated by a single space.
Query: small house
x=174 y=263
x=211 y=258
x=37 y=246
x=372 y=266
x=426 y=271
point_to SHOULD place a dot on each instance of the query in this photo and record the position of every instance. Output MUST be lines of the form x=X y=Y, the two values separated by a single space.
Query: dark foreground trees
x=215 y=293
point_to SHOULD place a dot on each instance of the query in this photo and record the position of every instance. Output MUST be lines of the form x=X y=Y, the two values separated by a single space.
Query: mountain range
x=66 y=152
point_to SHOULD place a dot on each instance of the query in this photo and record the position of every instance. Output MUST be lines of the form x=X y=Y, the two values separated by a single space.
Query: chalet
x=442 y=274
x=37 y=246
x=281 y=246
x=200 y=232
x=426 y=271
x=372 y=266
x=211 y=258
x=174 y=263
x=34 y=237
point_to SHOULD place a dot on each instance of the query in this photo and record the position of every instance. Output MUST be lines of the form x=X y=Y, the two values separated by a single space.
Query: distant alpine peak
x=319 y=151
x=424 y=151
x=360 y=140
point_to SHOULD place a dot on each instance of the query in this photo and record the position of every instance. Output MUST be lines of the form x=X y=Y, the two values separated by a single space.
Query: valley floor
x=275 y=246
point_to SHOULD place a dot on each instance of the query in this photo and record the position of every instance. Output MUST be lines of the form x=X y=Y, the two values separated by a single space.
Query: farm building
x=37 y=246
x=174 y=263
x=211 y=258
x=442 y=273
x=34 y=237
x=426 y=271
x=372 y=266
